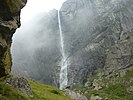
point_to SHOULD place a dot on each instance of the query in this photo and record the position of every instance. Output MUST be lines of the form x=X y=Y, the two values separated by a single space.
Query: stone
x=97 y=85
x=88 y=84
x=20 y=84
x=95 y=97
x=123 y=73
x=106 y=98
x=130 y=90
x=74 y=95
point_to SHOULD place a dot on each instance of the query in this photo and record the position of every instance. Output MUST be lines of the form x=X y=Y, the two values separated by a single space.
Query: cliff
x=9 y=22
x=98 y=35
x=99 y=44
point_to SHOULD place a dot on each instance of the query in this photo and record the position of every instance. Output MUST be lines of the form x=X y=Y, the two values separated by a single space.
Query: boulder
x=74 y=96
x=95 y=97
x=130 y=90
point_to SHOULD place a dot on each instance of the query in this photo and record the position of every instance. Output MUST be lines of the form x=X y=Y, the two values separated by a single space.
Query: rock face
x=98 y=34
x=9 y=22
x=120 y=56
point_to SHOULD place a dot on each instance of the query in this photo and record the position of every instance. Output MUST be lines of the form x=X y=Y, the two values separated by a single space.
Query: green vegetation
x=8 y=93
x=45 y=92
x=114 y=90
x=7 y=61
x=40 y=92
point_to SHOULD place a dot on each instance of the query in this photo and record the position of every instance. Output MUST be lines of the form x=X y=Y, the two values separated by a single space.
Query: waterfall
x=63 y=71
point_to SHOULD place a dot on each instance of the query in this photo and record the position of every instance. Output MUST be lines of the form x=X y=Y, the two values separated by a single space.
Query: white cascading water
x=63 y=71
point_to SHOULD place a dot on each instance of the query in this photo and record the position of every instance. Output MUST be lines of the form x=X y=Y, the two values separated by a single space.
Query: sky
x=37 y=6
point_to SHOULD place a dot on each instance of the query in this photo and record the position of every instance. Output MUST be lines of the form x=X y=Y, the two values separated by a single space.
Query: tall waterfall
x=63 y=72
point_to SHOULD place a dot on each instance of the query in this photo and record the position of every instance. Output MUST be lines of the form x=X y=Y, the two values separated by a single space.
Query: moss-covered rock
x=9 y=22
x=15 y=5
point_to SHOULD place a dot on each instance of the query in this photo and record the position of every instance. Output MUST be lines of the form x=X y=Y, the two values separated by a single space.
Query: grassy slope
x=114 y=91
x=40 y=91
x=45 y=92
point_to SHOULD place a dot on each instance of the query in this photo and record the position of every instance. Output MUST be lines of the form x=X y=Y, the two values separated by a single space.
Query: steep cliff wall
x=91 y=28
x=9 y=22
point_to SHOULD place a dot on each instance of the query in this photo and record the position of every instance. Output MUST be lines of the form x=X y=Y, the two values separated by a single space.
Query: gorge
x=89 y=29
x=86 y=45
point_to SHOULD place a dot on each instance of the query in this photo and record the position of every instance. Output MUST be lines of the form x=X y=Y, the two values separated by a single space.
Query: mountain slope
x=39 y=91
x=114 y=87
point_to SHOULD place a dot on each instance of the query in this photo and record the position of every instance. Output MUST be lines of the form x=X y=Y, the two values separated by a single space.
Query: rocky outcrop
x=9 y=22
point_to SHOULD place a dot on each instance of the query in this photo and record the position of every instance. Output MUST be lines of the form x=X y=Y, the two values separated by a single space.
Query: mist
x=36 y=44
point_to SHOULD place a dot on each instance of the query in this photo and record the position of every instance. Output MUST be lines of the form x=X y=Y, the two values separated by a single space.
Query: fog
x=33 y=7
x=36 y=46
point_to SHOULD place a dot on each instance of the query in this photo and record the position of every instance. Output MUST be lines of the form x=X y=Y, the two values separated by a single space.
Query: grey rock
x=123 y=73
x=74 y=96
x=120 y=55
x=90 y=29
x=97 y=84
x=88 y=84
x=95 y=97
x=130 y=90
